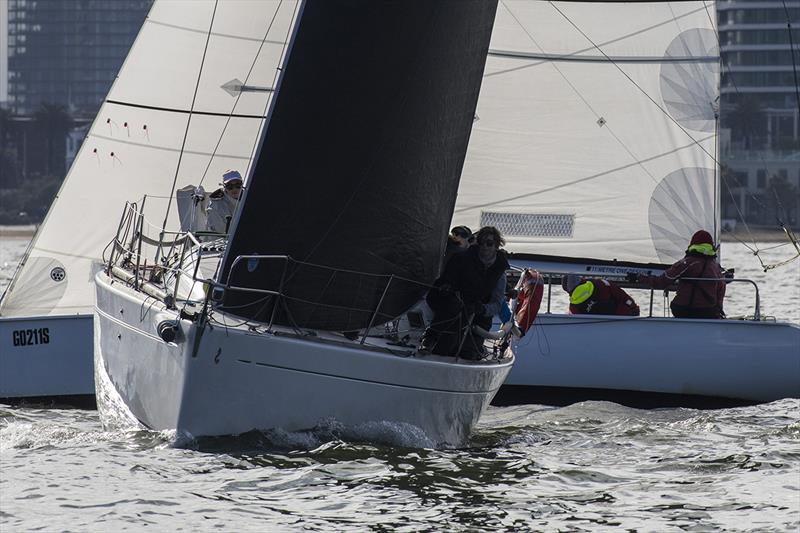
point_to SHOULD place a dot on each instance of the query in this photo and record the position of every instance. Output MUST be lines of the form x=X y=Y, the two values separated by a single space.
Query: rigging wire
x=189 y=120
x=791 y=53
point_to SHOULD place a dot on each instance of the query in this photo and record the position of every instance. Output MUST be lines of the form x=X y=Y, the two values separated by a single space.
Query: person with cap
x=470 y=291
x=597 y=297
x=694 y=298
x=223 y=202
x=458 y=241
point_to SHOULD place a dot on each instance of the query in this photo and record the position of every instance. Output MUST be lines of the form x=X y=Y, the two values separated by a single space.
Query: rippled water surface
x=591 y=466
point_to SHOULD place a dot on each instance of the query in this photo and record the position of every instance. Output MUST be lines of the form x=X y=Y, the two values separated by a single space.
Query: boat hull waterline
x=743 y=360
x=241 y=380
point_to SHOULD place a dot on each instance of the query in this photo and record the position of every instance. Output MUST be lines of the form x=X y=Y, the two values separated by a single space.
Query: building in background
x=67 y=52
x=760 y=49
x=58 y=59
x=3 y=54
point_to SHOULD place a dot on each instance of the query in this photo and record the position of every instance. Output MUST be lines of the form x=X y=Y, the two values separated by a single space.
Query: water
x=592 y=466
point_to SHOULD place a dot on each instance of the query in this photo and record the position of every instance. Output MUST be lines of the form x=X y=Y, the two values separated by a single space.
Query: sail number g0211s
x=29 y=337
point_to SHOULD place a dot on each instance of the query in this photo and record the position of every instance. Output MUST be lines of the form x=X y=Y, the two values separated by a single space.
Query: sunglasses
x=230 y=186
x=488 y=243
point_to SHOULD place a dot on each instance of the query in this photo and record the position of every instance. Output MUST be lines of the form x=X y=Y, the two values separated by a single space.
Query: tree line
x=33 y=151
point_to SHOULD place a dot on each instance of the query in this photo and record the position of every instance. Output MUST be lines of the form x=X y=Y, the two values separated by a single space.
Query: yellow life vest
x=581 y=293
x=705 y=249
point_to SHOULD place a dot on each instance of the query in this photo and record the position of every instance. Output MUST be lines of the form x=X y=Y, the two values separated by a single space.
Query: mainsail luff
x=134 y=144
x=596 y=130
x=361 y=160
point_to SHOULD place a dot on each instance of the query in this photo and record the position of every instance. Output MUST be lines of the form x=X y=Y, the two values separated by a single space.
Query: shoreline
x=757 y=234
x=18 y=232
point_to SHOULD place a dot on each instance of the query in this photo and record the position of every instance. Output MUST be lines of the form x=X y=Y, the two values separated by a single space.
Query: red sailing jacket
x=693 y=294
x=606 y=299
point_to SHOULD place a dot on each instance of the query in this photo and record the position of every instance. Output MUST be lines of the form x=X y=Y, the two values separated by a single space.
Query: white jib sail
x=595 y=133
x=177 y=114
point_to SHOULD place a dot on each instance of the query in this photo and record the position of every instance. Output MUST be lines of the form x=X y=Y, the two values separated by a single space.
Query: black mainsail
x=360 y=162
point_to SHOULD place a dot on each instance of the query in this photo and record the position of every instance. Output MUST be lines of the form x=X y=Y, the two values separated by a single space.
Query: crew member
x=470 y=291
x=223 y=202
x=695 y=298
x=598 y=297
x=458 y=241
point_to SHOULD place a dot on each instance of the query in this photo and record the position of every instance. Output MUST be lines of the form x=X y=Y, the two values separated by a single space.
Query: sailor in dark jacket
x=597 y=297
x=694 y=298
x=469 y=291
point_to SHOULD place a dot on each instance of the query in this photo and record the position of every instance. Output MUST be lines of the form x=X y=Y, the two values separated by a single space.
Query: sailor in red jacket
x=694 y=299
x=598 y=297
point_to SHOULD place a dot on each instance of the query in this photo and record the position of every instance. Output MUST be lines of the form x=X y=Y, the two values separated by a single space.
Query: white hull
x=241 y=380
x=46 y=356
x=727 y=359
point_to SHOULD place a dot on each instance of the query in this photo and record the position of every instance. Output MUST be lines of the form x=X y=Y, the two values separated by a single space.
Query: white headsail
x=595 y=134
x=188 y=104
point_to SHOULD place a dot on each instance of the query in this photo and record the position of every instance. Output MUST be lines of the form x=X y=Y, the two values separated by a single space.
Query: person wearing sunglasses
x=469 y=292
x=223 y=202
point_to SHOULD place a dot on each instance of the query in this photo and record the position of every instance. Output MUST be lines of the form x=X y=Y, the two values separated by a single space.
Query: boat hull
x=49 y=356
x=239 y=380
x=655 y=361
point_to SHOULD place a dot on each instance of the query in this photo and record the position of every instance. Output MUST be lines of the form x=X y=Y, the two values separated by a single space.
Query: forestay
x=174 y=116
x=595 y=134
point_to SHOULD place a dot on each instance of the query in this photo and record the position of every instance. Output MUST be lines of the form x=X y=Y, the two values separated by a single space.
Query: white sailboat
x=338 y=232
x=594 y=150
x=141 y=142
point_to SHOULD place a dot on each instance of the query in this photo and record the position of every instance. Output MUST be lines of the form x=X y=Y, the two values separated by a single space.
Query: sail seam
x=166 y=149
x=184 y=111
x=215 y=34
x=579 y=180
x=599 y=59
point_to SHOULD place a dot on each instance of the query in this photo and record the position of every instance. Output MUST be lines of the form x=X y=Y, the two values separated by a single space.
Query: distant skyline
x=65 y=52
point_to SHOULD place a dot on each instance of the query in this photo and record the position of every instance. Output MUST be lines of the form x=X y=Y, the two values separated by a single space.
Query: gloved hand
x=632 y=277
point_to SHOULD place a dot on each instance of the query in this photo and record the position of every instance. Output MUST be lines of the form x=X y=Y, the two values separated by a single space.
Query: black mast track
x=360 y=161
